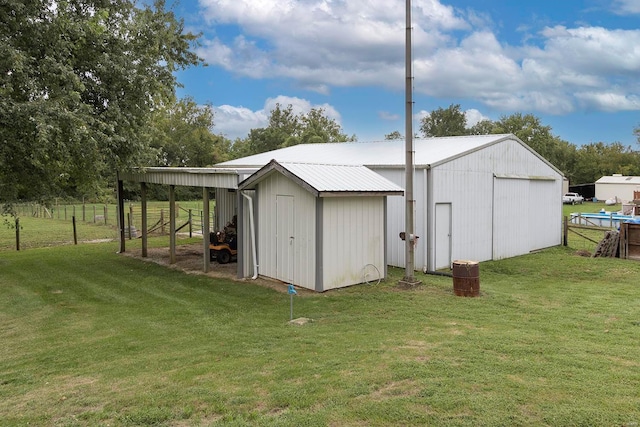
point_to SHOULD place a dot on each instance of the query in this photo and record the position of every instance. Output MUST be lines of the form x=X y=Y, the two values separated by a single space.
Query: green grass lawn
x=90 y=337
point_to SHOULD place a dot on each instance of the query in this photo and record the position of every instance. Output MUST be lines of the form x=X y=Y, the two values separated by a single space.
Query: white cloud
x=609 y=101
x=474 y=116
x=387 y=116
x=236 y=121
x=321 y=44
x=626 y=7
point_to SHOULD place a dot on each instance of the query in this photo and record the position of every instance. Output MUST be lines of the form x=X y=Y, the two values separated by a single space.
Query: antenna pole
x=410 y=239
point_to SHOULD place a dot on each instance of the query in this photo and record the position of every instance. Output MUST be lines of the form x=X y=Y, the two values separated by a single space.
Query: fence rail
x=188 y=218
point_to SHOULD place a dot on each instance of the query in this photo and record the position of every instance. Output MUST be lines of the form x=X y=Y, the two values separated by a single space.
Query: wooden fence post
x=565 y=231
x=75 y=234
x=17 y=233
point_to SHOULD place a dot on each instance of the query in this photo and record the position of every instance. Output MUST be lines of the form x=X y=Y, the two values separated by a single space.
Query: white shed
x=617 y=186
x=317 y=226
x=477 y=197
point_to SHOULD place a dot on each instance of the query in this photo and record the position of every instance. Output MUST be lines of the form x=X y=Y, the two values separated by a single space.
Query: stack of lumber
x=608 y=246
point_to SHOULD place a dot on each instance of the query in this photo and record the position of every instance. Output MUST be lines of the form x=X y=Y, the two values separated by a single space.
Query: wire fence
x=41 y=225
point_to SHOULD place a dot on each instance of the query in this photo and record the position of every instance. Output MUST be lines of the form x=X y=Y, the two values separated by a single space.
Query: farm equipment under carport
x=223 y=248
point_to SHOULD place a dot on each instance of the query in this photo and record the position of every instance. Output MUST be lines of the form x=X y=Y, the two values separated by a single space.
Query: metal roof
x=428 y=152
x=619 y=179
x=195 y=177
x=328 y=180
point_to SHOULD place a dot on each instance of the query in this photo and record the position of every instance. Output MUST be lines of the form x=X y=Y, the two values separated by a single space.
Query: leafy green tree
x=444 y=122
x=181 y=135
x=598 y=159
x=78 y=82
x=530 y=131
x=286 y=129
x=483 y=127
x=393 y=135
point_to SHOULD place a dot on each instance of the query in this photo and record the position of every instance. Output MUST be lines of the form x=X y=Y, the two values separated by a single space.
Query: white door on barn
x=443 y=235
x=510 y=217
x=285 y=238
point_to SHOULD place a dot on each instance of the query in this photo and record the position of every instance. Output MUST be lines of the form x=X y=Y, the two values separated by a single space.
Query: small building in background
x=618 y=187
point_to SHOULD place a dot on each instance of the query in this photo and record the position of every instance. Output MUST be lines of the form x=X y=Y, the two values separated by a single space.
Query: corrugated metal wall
x=467 y=183
x=226 y=207
x=353 y=237
x=511 y=224
x=498 y=217
x=304 y=230
x=544 y=217
x=396 y=216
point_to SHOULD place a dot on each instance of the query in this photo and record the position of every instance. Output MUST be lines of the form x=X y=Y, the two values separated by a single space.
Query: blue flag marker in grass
x=291 y=291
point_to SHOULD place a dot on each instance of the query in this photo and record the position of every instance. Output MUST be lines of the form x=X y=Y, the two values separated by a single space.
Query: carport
x=206 y=178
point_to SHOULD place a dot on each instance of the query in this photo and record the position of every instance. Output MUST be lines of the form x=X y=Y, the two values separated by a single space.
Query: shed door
x=510 y=217
x=285 y=239
x=443 y=235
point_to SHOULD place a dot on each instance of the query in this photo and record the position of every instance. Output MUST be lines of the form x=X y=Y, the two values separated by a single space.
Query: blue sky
x=574 y=64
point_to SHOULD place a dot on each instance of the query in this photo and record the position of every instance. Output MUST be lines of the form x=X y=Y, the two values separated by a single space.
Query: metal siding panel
x=353 y=237
x=226 y=207
x=304 y=269
x=511 y=218
x=396 y=216
x=544 y=216
x=469 y=193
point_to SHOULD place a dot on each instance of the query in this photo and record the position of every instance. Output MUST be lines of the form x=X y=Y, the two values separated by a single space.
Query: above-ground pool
x=600 y=219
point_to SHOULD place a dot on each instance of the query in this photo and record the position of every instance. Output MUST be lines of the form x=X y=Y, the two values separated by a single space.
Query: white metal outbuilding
x=316 y=226
x=477 y=197
x=617 y=186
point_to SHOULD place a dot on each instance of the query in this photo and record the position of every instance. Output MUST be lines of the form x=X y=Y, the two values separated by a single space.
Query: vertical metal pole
x=409 y=198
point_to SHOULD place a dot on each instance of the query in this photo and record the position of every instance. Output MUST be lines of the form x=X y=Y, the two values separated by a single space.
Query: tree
x=483 y=127
x=598 y=159
x=530 y=131
x=181 y=135
x=444 y=122
x=78 y=82
x=286 y=129
x=393 y=135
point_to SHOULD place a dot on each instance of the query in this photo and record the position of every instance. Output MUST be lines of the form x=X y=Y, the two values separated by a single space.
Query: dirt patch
x=189 y=259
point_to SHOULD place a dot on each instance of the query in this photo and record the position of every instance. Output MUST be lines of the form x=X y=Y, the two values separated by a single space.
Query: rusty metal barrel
x=466 y=278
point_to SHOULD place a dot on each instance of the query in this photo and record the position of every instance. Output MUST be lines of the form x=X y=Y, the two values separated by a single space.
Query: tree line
x=580 y=164
x=88 y=87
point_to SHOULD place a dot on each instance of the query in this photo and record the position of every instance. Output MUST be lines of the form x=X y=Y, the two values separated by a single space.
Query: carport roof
x=192 y=177
x=328 y=180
